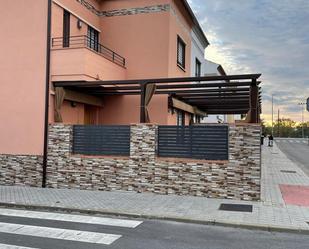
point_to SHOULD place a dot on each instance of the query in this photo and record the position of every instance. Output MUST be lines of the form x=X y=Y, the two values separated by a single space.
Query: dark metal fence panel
x=209 y=142
x=101 y=140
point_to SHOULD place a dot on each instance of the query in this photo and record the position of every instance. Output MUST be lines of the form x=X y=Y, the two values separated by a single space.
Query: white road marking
x=57 y=233
x=5 y=246
x=71 y=218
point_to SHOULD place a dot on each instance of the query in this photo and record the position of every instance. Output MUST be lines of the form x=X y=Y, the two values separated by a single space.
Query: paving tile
x=270 y=211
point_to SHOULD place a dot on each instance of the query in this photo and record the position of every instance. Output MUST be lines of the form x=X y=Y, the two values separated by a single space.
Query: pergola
x=228 y=94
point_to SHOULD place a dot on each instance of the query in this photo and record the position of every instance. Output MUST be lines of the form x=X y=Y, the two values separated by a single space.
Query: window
x=66 y=29
x=197 y=68
x=181 y=53
x=93 y=38
x=180 y=118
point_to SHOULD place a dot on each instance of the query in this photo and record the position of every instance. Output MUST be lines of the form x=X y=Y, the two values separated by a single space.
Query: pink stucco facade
x=135 y=37
x=23 y=24
x=147 y=41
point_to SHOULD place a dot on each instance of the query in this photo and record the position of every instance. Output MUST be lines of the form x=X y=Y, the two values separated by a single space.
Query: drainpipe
x=49 y=3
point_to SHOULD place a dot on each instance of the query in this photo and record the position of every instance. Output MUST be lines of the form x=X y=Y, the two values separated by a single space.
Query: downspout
x=49 y=3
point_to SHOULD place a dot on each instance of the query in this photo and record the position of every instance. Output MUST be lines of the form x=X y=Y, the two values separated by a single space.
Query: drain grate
x=288 y=171
x=236 y=207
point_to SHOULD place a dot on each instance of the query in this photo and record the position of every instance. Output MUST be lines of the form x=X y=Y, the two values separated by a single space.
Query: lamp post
x=302 y=118
x=272 y=114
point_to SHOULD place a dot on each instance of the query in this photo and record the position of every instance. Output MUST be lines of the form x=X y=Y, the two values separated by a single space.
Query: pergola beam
x=227 y=111
x=207 y=95
x=233 y=94
x=178 y=92
x=159 y=80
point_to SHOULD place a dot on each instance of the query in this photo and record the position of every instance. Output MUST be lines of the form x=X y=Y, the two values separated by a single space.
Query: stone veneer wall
x=23 y=170
x=238 y=178
x=125 y=12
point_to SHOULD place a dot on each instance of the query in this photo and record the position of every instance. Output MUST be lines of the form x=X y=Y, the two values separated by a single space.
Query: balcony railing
x=85 y=41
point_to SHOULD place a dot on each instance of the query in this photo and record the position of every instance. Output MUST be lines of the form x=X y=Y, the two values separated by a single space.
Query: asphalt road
x=297 y=150
x=28 y=230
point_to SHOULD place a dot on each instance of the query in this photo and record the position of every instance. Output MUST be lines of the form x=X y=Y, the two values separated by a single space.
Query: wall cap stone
x=190 y=160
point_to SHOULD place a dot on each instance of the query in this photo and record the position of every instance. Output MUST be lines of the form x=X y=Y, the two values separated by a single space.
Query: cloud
x=261 y=36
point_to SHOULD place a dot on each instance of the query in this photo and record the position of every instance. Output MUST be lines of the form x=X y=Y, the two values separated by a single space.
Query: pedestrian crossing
x=58 y=233
x=32 y=229
x=71 y=218
x=5 y=246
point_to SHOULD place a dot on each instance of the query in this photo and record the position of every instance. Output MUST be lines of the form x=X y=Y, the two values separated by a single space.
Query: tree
x=286 y=127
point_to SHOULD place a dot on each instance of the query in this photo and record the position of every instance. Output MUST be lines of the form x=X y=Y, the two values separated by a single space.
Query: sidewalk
x=270 y=213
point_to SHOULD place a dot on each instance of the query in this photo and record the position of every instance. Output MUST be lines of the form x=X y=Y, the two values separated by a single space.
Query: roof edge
x=198 y=27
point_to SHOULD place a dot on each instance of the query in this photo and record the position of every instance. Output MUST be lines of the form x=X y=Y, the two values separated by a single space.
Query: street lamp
x=302 y=118
x=272 y=114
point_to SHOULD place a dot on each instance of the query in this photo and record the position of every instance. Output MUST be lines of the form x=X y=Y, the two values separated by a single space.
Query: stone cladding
x=238 y=178
x=135 y=11
x=125 y=12
x=23 y=170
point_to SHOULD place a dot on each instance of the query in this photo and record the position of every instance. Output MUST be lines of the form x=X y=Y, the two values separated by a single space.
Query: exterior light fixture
x=79 y=24
x=73 y=104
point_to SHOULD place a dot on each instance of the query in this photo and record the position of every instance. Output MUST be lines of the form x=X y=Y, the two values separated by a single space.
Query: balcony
x=85 y=41
x=80 y=58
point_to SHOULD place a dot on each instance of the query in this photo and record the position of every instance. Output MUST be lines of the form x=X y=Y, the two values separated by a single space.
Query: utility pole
x=302 y=119
x=278 y=122
x=272 y=114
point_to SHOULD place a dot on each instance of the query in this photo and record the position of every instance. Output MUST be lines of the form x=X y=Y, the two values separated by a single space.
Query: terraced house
x=106 y=62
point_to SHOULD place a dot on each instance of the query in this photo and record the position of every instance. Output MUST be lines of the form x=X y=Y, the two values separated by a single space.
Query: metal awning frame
x=226 y=94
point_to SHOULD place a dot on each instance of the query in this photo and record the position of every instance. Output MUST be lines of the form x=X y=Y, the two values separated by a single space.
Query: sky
x=270 y=37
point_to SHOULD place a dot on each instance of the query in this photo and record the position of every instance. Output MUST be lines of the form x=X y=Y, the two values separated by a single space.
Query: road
x=297 y=150
x=28 y=230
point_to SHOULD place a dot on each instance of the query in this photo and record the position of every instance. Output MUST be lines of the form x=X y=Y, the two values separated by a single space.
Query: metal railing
x=86 y=41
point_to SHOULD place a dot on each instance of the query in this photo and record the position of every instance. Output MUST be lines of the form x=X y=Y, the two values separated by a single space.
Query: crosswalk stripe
x=72 y=218
x=6 y=246
x=58 y=233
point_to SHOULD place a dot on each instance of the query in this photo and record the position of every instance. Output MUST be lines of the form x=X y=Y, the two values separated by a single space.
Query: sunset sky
x=262 y=36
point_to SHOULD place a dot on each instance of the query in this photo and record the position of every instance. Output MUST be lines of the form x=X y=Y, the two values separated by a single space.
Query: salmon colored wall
x=22 y=83
x=70 y=115
x=83 y=63
x=178 y=25
x=147 y=41
x=172 y=118
x=80 y=11
x=142 y=39
x=57 y=23
x=126 y=110
x=136 y=38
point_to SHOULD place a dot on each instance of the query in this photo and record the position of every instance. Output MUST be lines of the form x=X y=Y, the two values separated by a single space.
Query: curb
x=153 y=217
